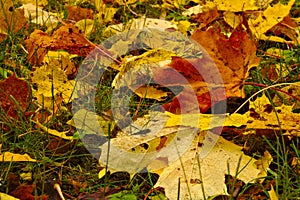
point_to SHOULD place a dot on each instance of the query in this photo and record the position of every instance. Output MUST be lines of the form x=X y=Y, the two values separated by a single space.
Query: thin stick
x=268 y=87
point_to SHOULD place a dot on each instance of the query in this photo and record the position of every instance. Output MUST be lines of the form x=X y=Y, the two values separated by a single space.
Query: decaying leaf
x=263 y=164
x=11 y=20
x=233 y=57
x=77 y=13
x=13 y=100
x=37 y=46
x=67 y=37
x=11 y=157
x=286 y=99
x=239 y=6
x=141 y=23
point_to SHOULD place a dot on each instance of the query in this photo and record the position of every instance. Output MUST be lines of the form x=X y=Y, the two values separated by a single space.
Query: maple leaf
x=261 y=115
x=267 y=20
x=53 y=86
x=233 y=58
x=171 y=145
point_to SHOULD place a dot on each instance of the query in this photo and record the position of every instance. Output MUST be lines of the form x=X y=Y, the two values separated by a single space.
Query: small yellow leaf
x=184 y=26
x=236 y=5
x=55 y=132
x=263 y=164
x=51 y=81
x=272 y=194
x=11 y=157
x=102 y=173
x=232 y=19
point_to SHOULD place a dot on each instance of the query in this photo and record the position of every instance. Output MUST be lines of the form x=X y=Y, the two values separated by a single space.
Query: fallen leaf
x=272 y=194
x=53 y=86
x=76 y=13
x=261 y=115
x=69 y=38
x=86 y=26
x=263 y=164
x=224 y=158
x=224 y=64
x=12 y=157
x=11 y=19
x=37 y=15
x=54 y=132
x=149 y=140
x=239 y=6
x=37 y=46
x=208 y=14
x=288 y=100
x=7 y=197
x=85 y=120
x=13 y=100
x=66 y=37
x=24 y=192
x=264 y=22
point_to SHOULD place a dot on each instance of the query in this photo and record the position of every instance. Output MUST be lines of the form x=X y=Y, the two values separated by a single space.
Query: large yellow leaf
x=238 y=5
x=224 y=158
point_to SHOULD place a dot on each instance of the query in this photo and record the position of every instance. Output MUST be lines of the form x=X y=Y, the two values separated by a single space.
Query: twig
x=266 y=87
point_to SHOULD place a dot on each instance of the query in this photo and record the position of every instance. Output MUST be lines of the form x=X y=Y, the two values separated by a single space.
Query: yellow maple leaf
x=261 y=115
x=52 y=82
x=269 y=18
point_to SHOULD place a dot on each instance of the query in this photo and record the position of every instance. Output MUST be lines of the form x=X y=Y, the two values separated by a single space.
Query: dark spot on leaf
x=254 y=114
x=279 y=110
x=290 y=90
x=268 y=108
x=145 y=146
